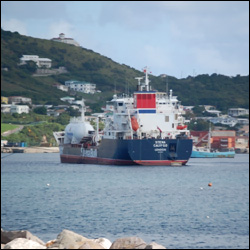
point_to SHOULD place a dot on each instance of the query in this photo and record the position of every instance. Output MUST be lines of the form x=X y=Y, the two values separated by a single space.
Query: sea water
x=173 y=206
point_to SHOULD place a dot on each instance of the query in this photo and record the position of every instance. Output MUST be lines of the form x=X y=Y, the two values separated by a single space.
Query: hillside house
x=40 y=62
x=81 y=86
x=19 y=109
x=238 y=111
x=19 y=99
x=4 y=99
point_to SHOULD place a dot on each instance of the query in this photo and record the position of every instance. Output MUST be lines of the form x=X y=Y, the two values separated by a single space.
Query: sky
x=177 y=38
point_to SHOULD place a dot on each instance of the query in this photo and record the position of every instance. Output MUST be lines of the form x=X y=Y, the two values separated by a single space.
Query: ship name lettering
x=160 y=144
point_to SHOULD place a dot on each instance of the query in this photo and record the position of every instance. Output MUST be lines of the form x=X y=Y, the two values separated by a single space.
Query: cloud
x=131 y=15
x=14 y=25
x=213 y=61
x=26 y=10
x=61 y=26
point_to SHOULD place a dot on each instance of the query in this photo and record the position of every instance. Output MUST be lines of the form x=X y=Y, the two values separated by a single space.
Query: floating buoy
x=48 y=184
x=201 y=188
x=208 y=217
x=210 y=184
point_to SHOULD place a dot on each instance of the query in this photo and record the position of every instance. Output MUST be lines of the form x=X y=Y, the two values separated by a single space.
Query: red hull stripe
x=105 y=161
x=93 y=160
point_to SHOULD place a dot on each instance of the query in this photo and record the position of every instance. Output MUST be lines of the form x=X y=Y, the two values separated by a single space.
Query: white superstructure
x=153 y=114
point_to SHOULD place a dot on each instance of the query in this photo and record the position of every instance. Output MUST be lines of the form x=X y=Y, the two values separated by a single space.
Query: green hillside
x=86 y=65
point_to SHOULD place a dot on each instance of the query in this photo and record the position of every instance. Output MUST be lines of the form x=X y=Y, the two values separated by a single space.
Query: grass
x=6 y=127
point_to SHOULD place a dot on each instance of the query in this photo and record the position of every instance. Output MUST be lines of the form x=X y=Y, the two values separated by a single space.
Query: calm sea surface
x=172 y=206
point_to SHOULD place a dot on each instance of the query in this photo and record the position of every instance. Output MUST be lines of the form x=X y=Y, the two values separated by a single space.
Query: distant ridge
x=82 y=64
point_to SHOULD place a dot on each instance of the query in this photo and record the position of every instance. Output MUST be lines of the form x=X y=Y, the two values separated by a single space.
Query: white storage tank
x=76 y=130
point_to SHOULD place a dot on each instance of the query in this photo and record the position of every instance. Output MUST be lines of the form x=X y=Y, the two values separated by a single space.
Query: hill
x=83 y=64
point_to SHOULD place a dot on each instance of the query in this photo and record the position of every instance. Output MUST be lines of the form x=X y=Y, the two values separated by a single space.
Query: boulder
x=154 y=245
x=91 y=245
x=7 y=236
x=68 y=240
x=106 y=243
x=129 y=243
x=22 y=243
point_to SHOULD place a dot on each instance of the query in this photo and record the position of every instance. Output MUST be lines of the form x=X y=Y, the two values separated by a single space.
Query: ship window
x=172 y=125
x=166 y=118
x=120 y=104
x=176 y=116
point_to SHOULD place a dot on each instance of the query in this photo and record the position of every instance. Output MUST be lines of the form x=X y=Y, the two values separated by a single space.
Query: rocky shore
x=29 y=149
x=70 y=240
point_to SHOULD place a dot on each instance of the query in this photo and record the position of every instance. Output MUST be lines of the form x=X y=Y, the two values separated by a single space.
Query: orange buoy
x=210 y=184
x=134 y=123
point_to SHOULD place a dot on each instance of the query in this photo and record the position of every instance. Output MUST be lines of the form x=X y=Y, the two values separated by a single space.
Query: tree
x=198 y=125
x=40 y=110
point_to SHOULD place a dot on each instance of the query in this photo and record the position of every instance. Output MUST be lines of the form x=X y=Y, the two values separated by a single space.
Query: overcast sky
x=178 y=38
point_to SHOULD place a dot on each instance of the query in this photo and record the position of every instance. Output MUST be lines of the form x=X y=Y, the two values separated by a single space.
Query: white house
x=68 y=99
x=238 y=111
x=40 y=62
x=62 y=87
x=19 y=99
x=5 y=108
x=81 y=86
x=19 y=109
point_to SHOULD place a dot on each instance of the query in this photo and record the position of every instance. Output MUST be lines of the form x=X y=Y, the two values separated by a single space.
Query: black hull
x=130 y=152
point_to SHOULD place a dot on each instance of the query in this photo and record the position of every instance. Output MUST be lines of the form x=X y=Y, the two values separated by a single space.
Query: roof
x=223 y=133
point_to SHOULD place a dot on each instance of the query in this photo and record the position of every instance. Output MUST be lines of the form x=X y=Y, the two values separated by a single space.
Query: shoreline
x=35 y=149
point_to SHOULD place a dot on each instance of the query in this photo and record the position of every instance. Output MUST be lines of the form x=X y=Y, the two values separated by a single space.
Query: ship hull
x=130 y=152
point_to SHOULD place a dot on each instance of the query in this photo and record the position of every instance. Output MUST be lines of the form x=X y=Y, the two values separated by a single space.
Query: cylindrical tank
x=75 y=131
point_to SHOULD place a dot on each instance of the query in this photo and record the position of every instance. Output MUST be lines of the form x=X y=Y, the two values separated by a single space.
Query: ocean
x=173 y=206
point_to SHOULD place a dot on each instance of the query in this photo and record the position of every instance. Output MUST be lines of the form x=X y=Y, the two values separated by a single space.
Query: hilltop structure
x=63 y=39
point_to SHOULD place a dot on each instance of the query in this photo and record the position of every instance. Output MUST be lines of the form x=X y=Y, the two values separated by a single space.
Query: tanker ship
x=144 y=129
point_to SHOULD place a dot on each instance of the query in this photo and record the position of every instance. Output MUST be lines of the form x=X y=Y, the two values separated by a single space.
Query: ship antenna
x=145 y=70
x=167 y=84
x=115 y=87
x=83 y=110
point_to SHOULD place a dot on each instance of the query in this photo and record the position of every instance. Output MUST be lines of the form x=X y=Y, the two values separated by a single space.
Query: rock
x=91 y=245
x=50 y=243
x=7 y=236
x=154 y=245
x=128 y=243
x=22 y=243
x=106 y=243
x=68 y=240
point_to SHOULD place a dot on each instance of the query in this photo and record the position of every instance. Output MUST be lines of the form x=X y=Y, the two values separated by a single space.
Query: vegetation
x=6 y=127
x=82 y=64
x=221 y=91
x=33 y=134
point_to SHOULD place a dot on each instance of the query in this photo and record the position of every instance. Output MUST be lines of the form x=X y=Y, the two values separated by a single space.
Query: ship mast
x=83 y=111
x=145 y=70
x=209 y=137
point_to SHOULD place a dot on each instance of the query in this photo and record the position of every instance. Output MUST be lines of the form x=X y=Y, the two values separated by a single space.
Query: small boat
x=208 y=152
x=205 y=152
